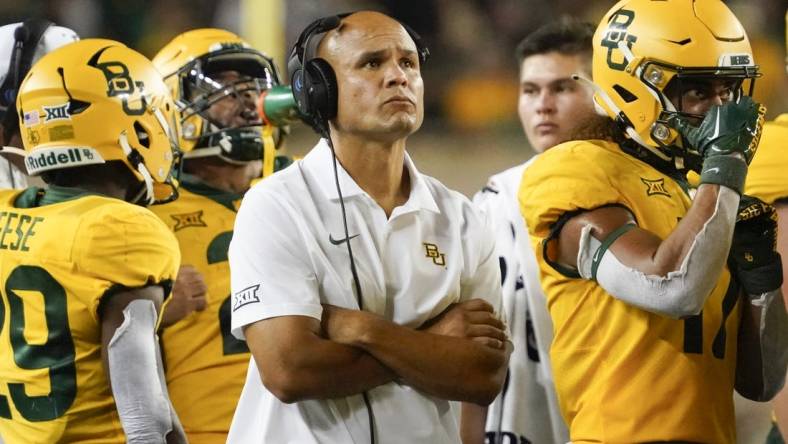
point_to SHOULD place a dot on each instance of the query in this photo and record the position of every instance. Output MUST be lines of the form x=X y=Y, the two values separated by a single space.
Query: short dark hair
x=565 y=36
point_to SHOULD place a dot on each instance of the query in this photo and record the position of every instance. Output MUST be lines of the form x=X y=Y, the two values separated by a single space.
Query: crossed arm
x=460 y=355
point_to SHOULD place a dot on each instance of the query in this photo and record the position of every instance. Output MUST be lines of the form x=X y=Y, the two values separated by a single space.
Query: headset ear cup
x=322 y=89
x=300 y=93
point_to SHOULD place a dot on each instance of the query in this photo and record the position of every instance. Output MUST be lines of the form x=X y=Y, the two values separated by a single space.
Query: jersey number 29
x=56 y=354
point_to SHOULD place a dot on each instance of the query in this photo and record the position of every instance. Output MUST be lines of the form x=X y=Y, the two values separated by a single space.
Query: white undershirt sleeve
x=140 y=397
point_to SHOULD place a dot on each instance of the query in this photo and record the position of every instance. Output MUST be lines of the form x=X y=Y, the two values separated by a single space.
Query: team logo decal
x=246 y=296
x=57 y=112
x=186 y=220
x=33 y=136
x=617 y=32
x=433 y=253
x=654 y=187
x=120 y=83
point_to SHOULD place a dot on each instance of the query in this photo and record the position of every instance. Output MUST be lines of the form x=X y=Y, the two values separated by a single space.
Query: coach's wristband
x=729 y=171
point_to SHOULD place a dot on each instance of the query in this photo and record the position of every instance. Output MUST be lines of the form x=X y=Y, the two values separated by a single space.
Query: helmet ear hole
x=142 y=134
x=77 y=106
x=625 y=94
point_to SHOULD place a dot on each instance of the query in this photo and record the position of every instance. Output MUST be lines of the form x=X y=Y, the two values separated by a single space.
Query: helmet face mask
x=215 y=78
x=646 y=52
x=222 y=104
x=97 y=101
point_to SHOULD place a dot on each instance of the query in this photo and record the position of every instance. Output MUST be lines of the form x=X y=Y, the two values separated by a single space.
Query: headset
x=315 y=91
x=26 y=39
x=313 y=80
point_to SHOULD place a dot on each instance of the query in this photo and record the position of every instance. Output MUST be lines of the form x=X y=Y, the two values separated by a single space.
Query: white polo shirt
x=287 y=257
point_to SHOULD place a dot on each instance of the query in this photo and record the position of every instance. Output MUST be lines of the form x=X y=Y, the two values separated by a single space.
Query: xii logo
x=655 y=187
x=188 y=220
x=433 y=253
x=58 y=112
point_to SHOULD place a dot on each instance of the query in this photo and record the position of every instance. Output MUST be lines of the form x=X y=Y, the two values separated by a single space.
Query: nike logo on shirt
x=340 y=241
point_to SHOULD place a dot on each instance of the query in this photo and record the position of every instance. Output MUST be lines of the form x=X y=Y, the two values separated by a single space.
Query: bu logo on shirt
x=433 y=253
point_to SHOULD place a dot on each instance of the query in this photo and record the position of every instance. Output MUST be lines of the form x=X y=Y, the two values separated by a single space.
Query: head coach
x=368 y=292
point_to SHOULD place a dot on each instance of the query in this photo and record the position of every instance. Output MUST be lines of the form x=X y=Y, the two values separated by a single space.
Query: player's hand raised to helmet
x=726 y=139
x=734 y=127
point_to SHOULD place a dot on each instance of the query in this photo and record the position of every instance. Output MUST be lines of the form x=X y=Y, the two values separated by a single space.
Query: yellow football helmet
x=642 y=46
x=95 y=101
x=191 y=64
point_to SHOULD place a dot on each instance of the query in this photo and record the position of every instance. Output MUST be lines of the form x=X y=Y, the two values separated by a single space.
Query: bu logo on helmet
x=616 y=32
x=119 y=82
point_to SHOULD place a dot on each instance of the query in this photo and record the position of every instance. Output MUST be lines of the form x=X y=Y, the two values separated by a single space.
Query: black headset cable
x=353 y=271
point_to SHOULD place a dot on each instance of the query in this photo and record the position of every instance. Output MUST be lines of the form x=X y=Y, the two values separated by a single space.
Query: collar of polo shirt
x=420 y=197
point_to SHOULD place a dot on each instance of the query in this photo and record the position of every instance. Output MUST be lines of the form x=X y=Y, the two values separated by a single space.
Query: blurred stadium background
x=471 y=128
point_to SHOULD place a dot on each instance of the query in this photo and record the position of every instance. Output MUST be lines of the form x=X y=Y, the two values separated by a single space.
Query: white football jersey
x=10 y=176
x=527 y=408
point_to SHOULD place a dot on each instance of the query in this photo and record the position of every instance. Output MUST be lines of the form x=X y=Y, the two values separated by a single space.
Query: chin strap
x=135 y=158
x=137 y=162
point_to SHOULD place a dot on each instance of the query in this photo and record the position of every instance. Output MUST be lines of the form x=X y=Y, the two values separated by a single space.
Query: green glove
x=753 y=257
x=726 y=139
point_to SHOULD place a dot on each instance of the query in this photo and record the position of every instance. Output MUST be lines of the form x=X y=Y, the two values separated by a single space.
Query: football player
x=661 y=305
x=21 y=45
x=215 y=78
x=85 y=266
x=551 y=107
x=767 y=181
